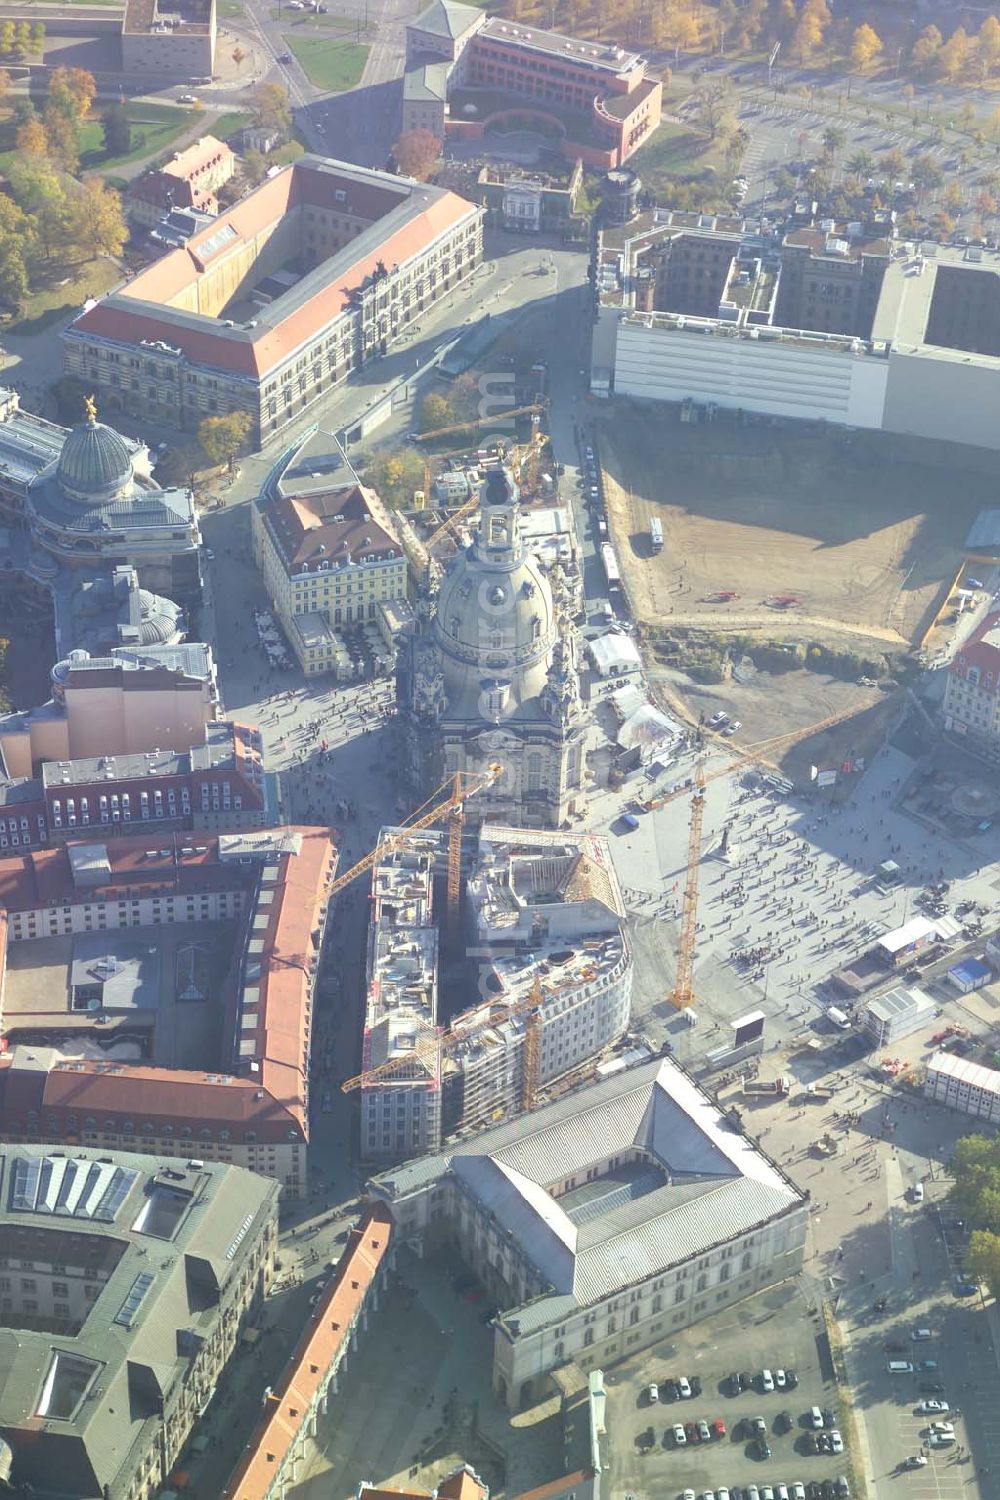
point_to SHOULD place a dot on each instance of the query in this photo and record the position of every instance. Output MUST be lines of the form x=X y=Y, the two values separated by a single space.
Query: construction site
x=780 y=532
x=539 y=947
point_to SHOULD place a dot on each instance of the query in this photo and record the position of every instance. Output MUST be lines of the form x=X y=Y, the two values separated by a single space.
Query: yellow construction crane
x=536 y=408
x=755 y=752
x=683 y=993
x=437 y=1045
x=464 y=784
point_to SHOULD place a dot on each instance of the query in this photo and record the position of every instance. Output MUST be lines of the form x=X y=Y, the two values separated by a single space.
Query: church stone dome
x=95 y=466
x=495 y=621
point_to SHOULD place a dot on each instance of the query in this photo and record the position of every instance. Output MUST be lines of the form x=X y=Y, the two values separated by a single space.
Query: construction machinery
x=436 y=1045
x=463 y=785
x=682 y=993
x=535 y=410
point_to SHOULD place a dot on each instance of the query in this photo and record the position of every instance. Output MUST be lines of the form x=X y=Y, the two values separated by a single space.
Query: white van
x=899 y=1367
x=839 y=1019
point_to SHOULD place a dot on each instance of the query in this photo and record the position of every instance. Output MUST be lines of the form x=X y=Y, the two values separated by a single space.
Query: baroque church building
x=490 y=675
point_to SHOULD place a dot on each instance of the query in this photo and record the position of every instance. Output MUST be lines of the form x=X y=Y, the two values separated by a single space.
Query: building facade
x=329 y=559
x=547 y=926
x=490 y=676
x=818 y=322
x=966 y=1086
x=176 y=43
x=190 y=179
x=83 y=500
x=253 y=1109
x=284 y=1440
x=401 y=1112
x=971 y=706
x=467 y=72
x=315 y=273
x=127 y=1279
x=121 y=704
x=693 y=1217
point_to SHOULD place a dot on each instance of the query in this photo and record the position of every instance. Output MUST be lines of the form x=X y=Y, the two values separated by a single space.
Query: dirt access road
x=864 y=542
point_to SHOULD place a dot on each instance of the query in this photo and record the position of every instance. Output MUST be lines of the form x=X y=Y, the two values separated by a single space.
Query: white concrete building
x=603 y=1223
x=401 y=1113
x=972 y=690
x=896 y=1014
x=965 y=1086
x=822 y=325
x=547 y=909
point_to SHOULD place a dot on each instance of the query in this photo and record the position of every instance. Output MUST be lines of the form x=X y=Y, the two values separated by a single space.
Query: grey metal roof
x=446 y=18
x=141 y=1356
x=718 y=1184
x=427 y=82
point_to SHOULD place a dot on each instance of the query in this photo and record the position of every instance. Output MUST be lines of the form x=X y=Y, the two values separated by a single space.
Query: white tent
x=626 y=700
x=649 y=729
x=614 y=653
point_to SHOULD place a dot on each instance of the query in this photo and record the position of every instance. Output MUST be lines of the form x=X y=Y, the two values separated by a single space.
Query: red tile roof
x=303 y=183
x=981 y=650
x=287 y=1409
x=270 y=1098
x=331 y=527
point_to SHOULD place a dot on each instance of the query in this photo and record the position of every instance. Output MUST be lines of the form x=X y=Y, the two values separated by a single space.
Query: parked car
x=762 y=1448
x=679 y=1435
x=746 y=1380
x=932 y=1407
x=696 y=1385
x=816 y=1418
x=940 y=1440
x=693 y=1435
x=683 y=1387
x=836 y=1442
x=766 y=1380
x=927 y=1364
x=931 y=1387
x=758 y=1426
x=718 y=1428
x=828 y=1418
x=652 y=1393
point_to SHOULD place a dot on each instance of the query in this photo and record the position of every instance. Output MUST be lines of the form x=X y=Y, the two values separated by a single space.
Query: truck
x=656 y=534
x=773 y=1088
x=816 y=1093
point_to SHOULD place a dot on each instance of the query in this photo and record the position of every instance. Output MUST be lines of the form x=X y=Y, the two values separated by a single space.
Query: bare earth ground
x=866 y=545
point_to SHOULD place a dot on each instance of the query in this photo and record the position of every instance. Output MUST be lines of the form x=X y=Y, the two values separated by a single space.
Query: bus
x=610 y=562
x=656 y=534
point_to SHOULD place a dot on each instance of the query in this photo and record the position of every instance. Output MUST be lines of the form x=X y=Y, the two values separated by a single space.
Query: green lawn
x=675 y=151
x=330 y=64
x=154 y=128
x=229 y=9
x=229 y=123
x=60 y=292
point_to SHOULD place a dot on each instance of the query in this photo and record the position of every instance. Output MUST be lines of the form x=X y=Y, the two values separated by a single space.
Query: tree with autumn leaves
x=45 y=214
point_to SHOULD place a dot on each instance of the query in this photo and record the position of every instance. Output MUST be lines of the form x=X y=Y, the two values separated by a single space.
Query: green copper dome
x=95 y=466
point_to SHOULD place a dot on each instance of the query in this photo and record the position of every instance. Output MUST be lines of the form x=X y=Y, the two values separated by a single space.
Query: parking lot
x=779 y=1329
